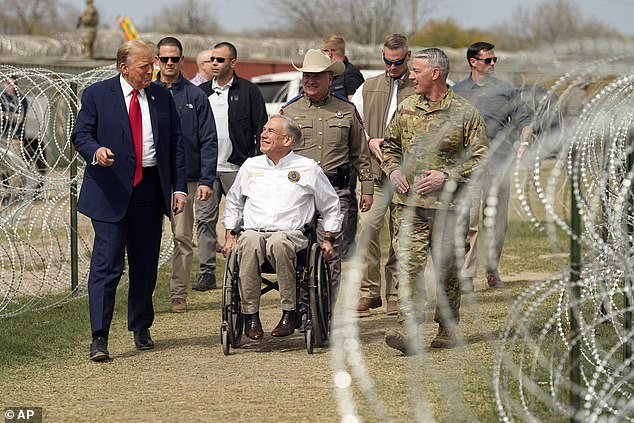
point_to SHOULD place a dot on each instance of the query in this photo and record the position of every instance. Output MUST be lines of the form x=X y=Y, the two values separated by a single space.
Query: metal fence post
x=74 y=257
x=575 y=295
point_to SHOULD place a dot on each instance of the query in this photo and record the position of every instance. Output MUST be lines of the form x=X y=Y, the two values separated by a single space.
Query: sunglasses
x=398 y=62
x=488 y=60
x=167 y=59
x=218 y=59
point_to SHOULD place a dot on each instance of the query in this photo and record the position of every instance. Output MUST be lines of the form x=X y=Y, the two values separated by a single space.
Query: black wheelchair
x=313 y=302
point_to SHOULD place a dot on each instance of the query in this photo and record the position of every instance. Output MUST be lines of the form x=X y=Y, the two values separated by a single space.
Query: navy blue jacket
x=198 y=130
x=247 y=116
x=103 y=122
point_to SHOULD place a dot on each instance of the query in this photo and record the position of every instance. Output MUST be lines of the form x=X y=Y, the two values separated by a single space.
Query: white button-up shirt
x=282 y=197
x=149 y=152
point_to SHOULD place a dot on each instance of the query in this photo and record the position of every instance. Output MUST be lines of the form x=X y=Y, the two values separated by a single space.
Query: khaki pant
x=370 y=225
x=280 y=250
x=496 y=192
x=182 y=228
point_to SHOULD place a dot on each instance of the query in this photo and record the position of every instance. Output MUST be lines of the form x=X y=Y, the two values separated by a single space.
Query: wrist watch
x=330 y=239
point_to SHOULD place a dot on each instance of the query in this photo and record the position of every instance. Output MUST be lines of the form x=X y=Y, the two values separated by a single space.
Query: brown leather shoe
x=494 y=281
x=252 y=326
x=392 y=307
x=365 y=304
x=287 y=324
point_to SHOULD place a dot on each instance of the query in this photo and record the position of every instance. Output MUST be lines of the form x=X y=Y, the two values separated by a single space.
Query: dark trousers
x=353 y=216
x=138 y=233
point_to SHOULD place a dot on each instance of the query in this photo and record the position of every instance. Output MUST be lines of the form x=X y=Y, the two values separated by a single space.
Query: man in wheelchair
x=273 y=197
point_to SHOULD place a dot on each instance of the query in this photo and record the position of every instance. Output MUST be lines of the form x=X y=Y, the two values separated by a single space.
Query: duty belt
x=341 y=179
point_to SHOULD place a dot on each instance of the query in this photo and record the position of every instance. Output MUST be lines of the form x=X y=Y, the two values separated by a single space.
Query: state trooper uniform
x=333 y=137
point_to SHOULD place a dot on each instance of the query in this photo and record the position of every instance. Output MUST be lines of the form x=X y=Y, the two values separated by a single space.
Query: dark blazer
x=103 y=122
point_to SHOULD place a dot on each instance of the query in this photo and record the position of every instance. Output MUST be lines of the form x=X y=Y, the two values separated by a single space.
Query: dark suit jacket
x=103 y=122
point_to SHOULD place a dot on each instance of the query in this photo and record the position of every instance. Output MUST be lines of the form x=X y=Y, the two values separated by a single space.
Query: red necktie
x=136 y=126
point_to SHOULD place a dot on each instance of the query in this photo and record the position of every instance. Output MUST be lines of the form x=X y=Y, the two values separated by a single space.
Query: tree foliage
x=447 y=33
x=361 y=21
x=37 y=17
x=548 y=22
x=185 y=17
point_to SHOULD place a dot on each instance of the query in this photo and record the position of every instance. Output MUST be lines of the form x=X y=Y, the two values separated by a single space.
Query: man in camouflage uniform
x=432 y=145
x=333 y=137
x=89 y=18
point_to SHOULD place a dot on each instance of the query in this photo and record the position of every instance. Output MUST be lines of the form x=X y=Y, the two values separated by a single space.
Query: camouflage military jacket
x=90 y=17
x=450 y=138
x=332 y=136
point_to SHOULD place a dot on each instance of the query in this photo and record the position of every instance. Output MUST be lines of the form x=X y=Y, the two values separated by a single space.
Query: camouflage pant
x=87 y=42
x=417 y=231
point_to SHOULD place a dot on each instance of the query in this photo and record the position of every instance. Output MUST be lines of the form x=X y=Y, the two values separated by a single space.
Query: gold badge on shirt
x=293 y=176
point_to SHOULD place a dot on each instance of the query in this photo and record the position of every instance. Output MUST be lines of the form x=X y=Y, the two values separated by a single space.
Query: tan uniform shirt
x=332 y=136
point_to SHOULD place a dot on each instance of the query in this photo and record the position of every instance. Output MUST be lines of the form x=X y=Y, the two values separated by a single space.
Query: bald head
x=203 y=56
x=204 y=65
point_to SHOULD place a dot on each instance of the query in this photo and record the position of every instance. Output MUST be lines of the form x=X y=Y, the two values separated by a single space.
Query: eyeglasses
x=218 y=59
x=488 y=60
x=398 y=62
x=167 y=59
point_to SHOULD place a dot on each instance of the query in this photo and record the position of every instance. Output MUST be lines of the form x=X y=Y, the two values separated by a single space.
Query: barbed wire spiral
x=35 y=188
x=584 y=126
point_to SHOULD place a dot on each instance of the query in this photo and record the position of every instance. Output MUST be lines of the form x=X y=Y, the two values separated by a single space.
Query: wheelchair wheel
x=224 y=339
x=319 y=296
x=232 y=319
x=309 y=338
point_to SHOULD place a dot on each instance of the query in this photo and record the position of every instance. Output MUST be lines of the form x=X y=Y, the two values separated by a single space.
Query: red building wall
x=245 y=68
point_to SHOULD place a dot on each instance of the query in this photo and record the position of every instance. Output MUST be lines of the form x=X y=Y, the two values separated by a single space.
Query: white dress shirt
x=149 y=152
x=219 y=101
x=282 y=197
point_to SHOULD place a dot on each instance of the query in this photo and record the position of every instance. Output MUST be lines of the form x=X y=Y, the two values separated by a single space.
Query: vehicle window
x=282 y=94
x=270 y=90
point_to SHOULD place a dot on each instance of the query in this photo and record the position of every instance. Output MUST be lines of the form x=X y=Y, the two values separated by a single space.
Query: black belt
x=263 y=230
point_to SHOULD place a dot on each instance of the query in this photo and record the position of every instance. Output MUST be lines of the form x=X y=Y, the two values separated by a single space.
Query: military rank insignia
x=339 y=114
x=293 y=176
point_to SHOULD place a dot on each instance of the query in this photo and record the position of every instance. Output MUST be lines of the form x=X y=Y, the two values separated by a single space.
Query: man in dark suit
x=128 y=132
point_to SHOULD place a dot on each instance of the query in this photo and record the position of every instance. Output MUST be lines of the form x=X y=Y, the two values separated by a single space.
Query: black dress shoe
x=287 y=324
x=252 y=326
x=143 y=340
x=99 y=349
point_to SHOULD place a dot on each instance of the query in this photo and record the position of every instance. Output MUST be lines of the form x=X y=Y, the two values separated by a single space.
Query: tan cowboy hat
x=316 y=61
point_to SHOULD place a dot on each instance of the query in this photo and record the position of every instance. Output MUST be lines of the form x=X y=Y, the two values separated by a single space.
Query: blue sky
x=248 y=14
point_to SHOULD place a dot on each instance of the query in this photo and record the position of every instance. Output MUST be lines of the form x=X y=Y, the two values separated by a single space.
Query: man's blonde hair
x=131 y=47
x=335 y=42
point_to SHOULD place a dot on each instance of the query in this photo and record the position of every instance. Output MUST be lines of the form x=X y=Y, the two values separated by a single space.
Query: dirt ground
x=186 y=378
